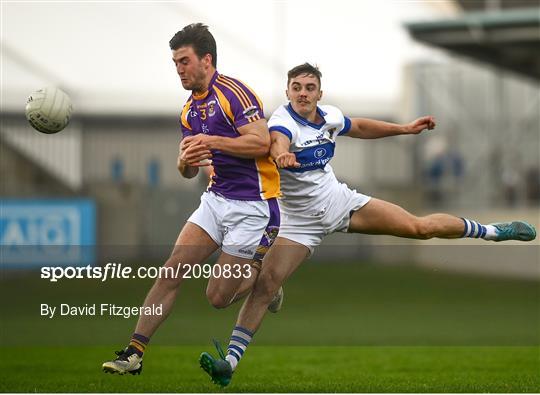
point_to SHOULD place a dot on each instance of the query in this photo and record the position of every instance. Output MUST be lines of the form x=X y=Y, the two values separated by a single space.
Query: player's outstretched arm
x=279 y=151
x=253 y=142
x=365 y=128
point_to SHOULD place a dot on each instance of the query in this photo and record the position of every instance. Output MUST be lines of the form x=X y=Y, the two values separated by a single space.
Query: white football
x=48 y=110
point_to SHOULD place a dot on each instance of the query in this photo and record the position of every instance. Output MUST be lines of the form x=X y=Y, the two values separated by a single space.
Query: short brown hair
x=302 y=69
x=197 y=36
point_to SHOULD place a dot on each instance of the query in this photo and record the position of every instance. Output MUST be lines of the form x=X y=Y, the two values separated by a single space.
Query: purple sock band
x=141 y=339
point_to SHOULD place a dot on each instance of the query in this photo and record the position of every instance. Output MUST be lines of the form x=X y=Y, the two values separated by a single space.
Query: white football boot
x=126 y=362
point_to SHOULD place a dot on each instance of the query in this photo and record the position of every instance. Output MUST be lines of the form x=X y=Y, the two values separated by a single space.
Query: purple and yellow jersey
x=227 y=105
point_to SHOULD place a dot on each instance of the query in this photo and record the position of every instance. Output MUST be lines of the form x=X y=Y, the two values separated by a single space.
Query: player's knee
x=218 y=299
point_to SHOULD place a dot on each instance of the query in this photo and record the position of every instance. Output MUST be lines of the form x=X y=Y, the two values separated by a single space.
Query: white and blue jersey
x=313 y=203
x=313 y=145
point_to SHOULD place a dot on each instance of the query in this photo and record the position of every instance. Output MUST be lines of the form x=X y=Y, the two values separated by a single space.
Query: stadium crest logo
x=319 y=153
x=211 y=108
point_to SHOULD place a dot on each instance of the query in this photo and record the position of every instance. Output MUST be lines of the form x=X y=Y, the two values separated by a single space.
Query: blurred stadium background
x=109 y=181
x=475 y=65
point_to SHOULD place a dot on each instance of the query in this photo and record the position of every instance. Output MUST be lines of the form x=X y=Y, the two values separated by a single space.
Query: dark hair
x=305 y=68
x=199 y=38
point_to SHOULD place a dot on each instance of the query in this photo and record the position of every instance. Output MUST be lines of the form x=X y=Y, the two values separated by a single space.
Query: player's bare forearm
x=185 y=170
x=253 y=142
x=365 y=128
x=279 y=144
x=279 y=151
x=246 y=146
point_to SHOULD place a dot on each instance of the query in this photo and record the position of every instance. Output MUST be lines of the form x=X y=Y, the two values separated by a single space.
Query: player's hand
x=195 y=154
x=420 y=124
x=286 y=159
x=197 y=139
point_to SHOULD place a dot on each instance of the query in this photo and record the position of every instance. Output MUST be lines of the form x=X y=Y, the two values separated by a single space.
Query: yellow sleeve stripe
x=236 y=90
x=259 y=102
x=233 y=85
x=224 y=103
x=254 y=118
x=183 y=117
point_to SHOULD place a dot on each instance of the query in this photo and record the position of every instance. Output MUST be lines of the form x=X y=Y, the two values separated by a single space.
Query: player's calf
x=424 y=228
x=266 y=287
x=171 y=275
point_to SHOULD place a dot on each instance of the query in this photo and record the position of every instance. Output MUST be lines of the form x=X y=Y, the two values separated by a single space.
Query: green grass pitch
x=282 y=369
x=343 y=328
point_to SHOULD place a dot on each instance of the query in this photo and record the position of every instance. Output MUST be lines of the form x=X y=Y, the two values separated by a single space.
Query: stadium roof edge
x=484 y=18
x=508 y=39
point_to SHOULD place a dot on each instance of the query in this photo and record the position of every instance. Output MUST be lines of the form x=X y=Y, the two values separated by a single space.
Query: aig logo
x=40 y=231
x=319 y=153
x=36 y=226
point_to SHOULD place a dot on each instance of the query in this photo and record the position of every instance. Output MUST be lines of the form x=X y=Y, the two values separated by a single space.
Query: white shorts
x=308 y=227
x=243 y=228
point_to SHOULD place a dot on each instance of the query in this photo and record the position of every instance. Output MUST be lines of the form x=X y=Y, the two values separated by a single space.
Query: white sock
x=232 y=361
x=491 y=232
x=240 y=339
x=477 y=230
